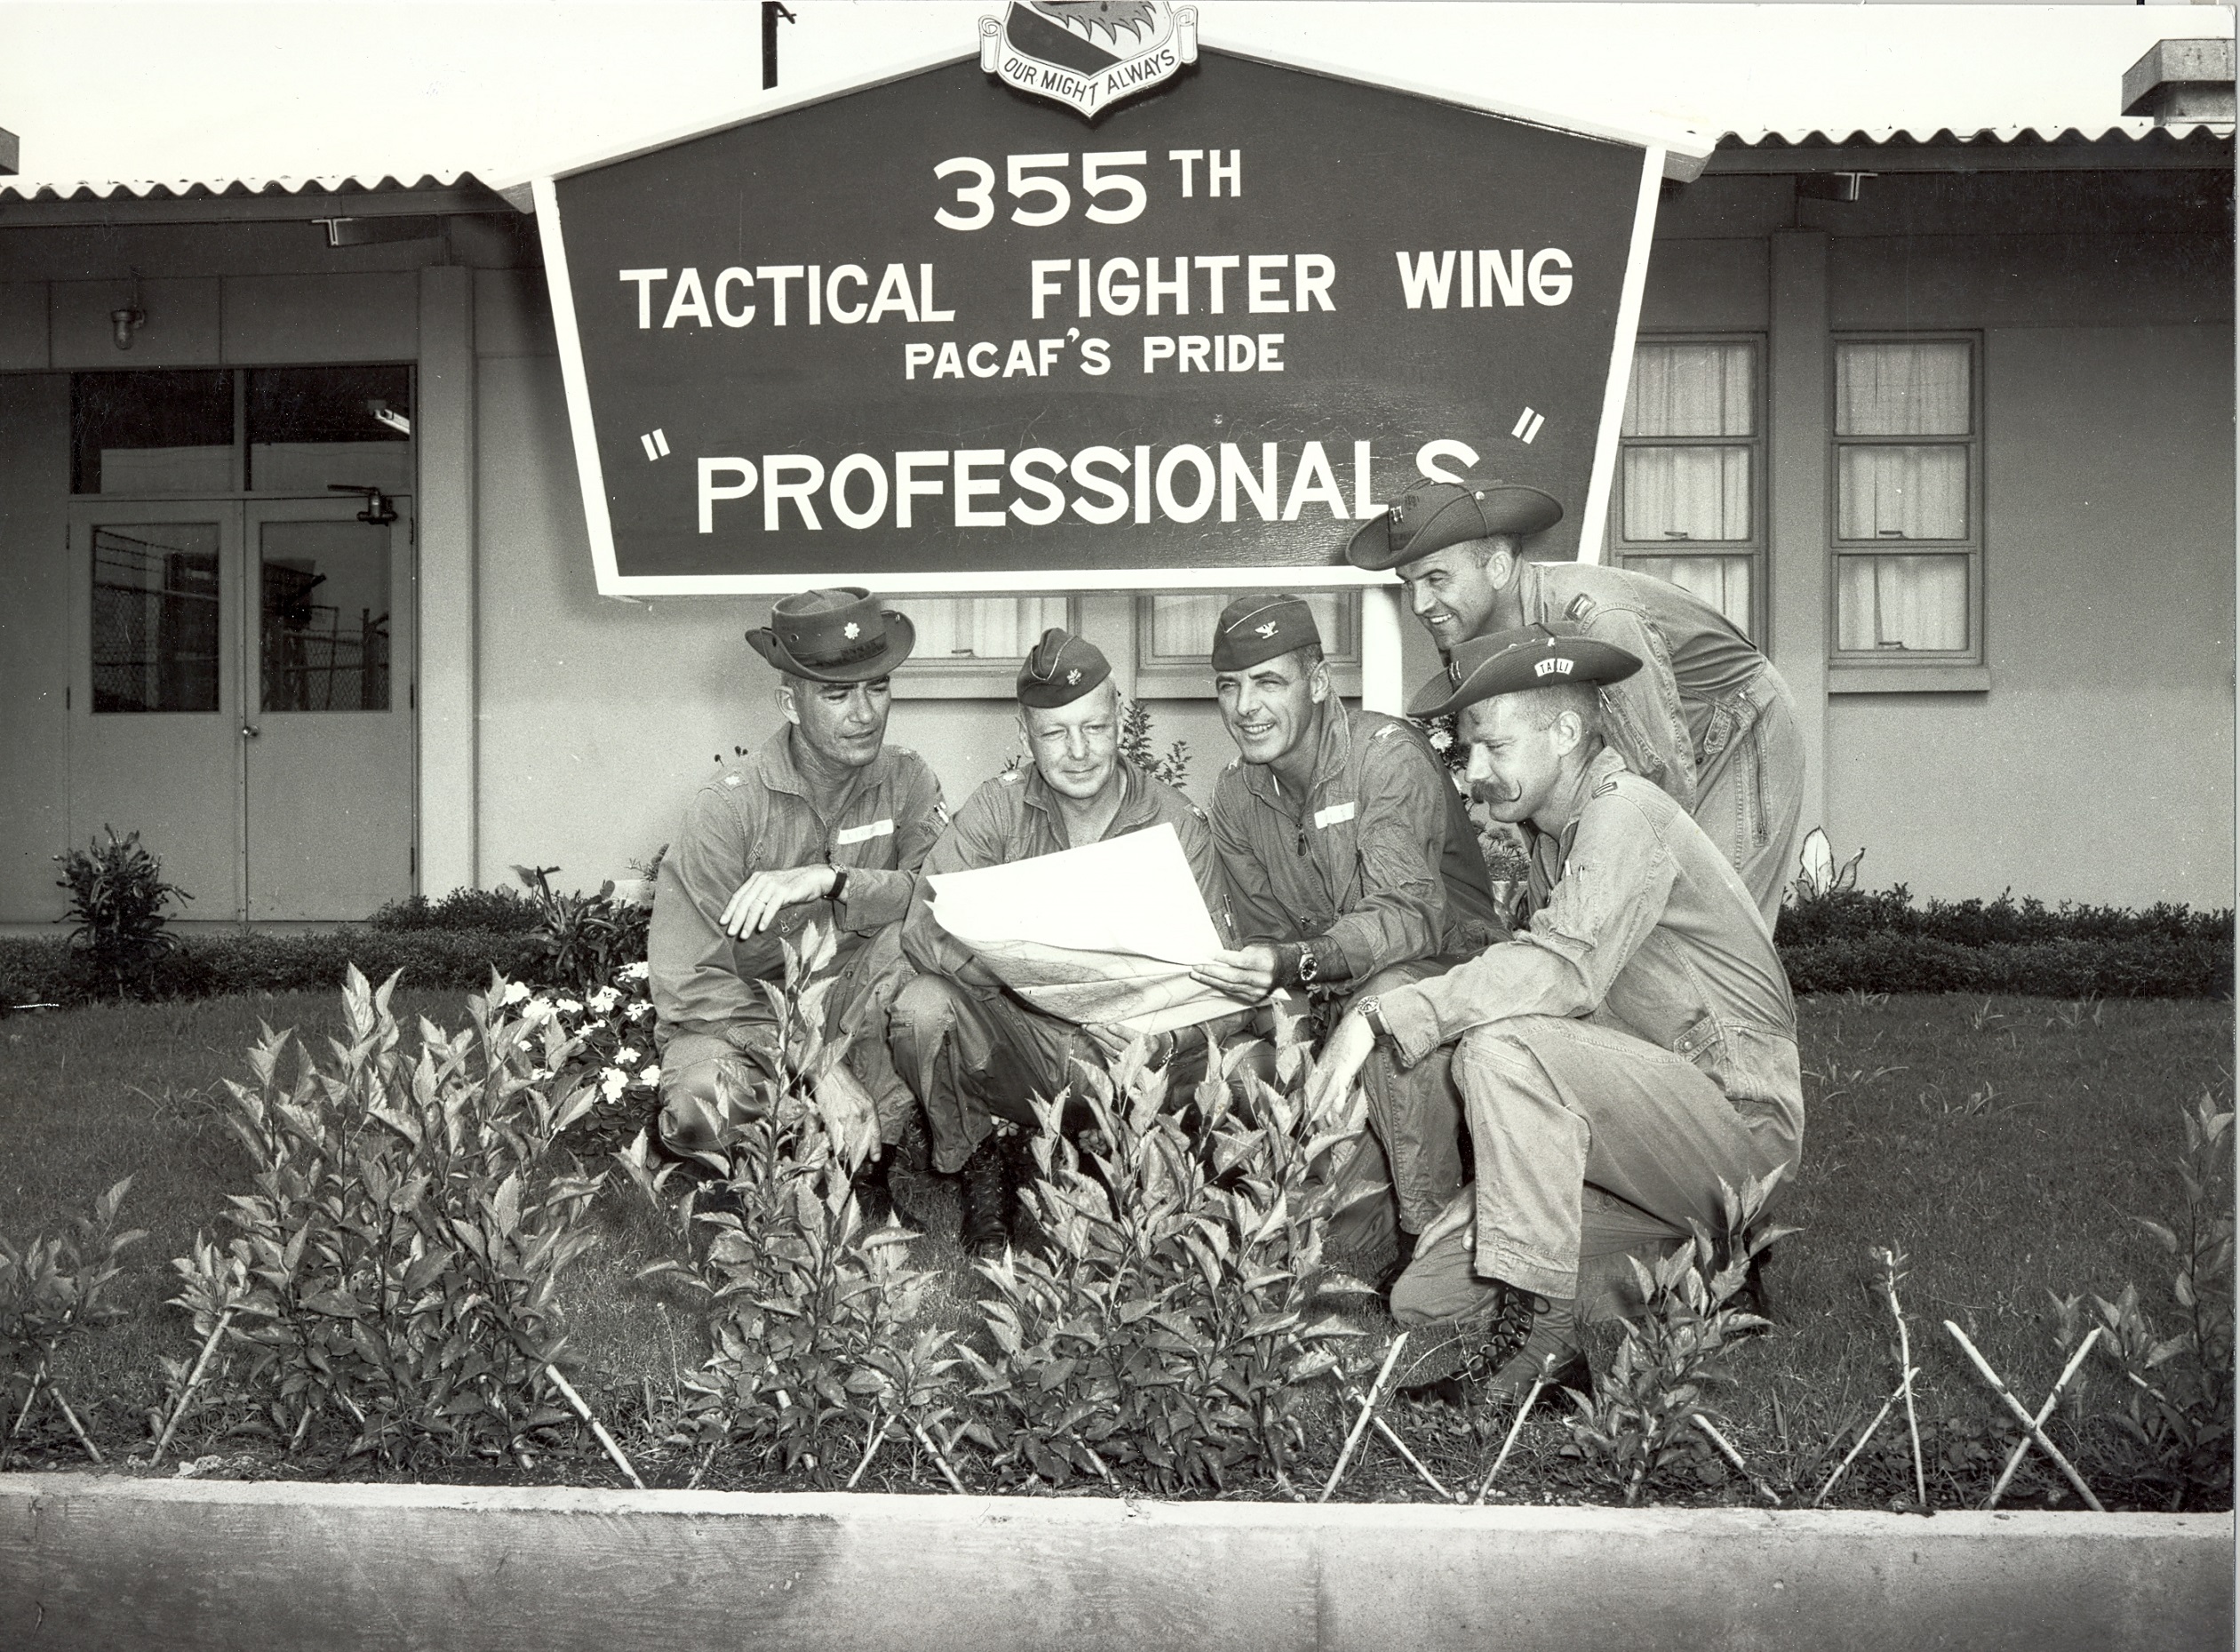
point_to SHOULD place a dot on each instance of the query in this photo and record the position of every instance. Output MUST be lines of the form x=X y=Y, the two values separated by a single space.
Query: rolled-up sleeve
x=691 y=967
x=1646 y=722
x=1400 y=830
x=875 y=895
x=1615 y=883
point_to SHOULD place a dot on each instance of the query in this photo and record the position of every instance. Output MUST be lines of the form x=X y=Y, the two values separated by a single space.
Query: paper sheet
x=1106 y=933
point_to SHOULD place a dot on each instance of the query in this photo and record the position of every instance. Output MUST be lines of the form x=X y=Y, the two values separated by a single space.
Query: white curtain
x=1703 y=493
x=1917 y=389
x=1722 y=581
x=1182 y=627
x=1910 y=603
x=1913 y=492
x=1690 y=390
x=980 y=627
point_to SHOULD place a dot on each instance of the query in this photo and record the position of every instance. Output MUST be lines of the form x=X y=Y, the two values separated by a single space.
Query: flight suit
x=970 y=1050
x=1380 y=856
x=1639 y=1038
x=716 y=1030
x=1708 y=718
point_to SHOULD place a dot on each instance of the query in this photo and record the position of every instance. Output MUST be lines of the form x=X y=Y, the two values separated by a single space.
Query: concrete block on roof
x=11 y=153
x=2182 y=80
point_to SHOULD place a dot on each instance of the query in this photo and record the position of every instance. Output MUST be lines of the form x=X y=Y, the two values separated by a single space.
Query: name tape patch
x=863 y=833
x=1554 y=665
x=1334 y=815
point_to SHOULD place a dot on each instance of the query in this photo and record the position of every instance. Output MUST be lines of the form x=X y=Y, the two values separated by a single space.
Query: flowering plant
x=608 y=1033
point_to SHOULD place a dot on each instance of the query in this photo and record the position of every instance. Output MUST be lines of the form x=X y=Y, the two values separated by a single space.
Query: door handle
x=249 y=732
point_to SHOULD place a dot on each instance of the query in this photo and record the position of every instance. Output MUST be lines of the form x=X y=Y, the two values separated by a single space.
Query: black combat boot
x=987 y=1199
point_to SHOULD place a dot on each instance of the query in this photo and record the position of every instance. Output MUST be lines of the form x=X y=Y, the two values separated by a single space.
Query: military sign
x=935 y=335
x=1088 y=54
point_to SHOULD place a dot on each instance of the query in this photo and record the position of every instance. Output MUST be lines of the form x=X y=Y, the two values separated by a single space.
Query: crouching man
x=971 y=1051
x=1639 y=1038
x=825 y=822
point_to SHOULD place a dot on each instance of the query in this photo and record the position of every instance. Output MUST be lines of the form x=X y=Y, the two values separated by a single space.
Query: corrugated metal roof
x=2142 y=131
x=430 y=192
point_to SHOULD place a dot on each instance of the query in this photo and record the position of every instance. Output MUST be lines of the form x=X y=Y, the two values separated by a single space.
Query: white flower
x=537 y=1075
x=631 y=972
x=649 y=1076
x=628 y=1057
x=569 y=1007
x=515 y=991
x=604 y=1000
x=612 y=1083
x=638 y=1010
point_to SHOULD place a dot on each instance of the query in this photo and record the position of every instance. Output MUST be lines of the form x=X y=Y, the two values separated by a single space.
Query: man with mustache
x=1707 y=718
x=1351 y=866
x=825 y=822
x=971 y=1051
x=1638 y=1039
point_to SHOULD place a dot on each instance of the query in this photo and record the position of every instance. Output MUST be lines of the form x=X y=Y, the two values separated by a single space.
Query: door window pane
x=959 y=630
x=155 y=608
x=151 y=433
x=324 y=637
x=1687 y=492
x=1902 y=492
x=1691 y=390
x=1916 y=388
x=1902 y=602
x=312 y=425
x=1724 y=582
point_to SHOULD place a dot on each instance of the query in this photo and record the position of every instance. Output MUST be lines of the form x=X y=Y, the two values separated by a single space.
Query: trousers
x=1750 y=788
x=711 y=1080
x=1559 y=1106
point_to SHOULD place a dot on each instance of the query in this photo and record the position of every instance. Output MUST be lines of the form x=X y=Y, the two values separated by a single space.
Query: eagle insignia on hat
x=851 y=631
x=1267 y=630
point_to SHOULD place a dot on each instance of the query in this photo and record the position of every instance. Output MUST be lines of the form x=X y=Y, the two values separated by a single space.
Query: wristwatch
x=840 y=885
x=1310 y=964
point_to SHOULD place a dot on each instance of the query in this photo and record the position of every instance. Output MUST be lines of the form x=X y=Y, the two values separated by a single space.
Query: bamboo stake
x=598 y=1428
x=1531 y=1398
x=1361 y=1422
x=1727 y=1450
x=1905 y=1362
x=1395 y=1441
x=707 y=1457
x=1859 y=1444
x=874 y=1437
x=193 y=1380
x=71 y=1417
x=2022 y=1415
x=2023 y=1445
x=30 y=1397
x=933 y=1452
x=1284 y=1484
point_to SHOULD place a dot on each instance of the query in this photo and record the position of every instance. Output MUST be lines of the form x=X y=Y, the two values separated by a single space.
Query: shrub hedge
x=42 y=969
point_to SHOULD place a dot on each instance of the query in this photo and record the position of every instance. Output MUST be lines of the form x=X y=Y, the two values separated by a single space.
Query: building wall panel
x=34 y=644
x=271 y=319
x=181 y=330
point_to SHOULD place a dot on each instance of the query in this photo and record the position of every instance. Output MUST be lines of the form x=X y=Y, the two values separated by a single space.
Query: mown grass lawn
x=2005 y=1147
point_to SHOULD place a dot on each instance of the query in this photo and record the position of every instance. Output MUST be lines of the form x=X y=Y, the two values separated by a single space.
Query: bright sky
x=192 y=90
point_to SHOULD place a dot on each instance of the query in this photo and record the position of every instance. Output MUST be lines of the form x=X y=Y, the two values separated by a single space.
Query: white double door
x=243 y=696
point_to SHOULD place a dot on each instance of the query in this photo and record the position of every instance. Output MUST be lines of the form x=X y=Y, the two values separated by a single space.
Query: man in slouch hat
x=1618 y=1061
x=1706 y=717
x=827 y=823
x=1351 y=866
x=973 y=1052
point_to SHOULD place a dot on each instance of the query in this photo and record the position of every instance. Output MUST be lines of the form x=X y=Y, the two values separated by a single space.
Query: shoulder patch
x=1582 y=605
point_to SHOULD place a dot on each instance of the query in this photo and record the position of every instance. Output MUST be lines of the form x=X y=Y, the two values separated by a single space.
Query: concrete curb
x=93 y=1561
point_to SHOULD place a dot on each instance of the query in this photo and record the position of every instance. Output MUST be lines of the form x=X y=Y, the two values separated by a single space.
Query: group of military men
x=1582 y=1084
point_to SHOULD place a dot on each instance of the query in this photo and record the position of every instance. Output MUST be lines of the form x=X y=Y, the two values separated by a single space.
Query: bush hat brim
x=1512 y=662
x=840 y=634
x=1432 y=515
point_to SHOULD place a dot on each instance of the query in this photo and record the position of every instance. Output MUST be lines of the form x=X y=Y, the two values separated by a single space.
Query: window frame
x=922 y=677
x=1757 y=547
x=1973 y=657
x=1190 y=676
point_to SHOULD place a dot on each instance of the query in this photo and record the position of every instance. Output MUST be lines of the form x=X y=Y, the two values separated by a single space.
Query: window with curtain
x=1691 y=458
x=1907 y=535
x=970 y=647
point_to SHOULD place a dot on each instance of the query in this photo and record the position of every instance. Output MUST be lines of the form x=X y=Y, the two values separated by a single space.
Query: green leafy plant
x=117 y=897
x=499 y=910
x=2176 y=1414
x=1644 y=1418
x=584 y=939
x=398 y=1260
x=1136 y=745
x=53 y=1289
x=1159 y=1334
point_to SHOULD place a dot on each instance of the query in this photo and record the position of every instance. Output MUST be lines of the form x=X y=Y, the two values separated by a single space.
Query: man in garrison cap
x=970 y=1050
x=1708 y=718
x=1618 y=1060
x=824 y=823
x=1351 y=866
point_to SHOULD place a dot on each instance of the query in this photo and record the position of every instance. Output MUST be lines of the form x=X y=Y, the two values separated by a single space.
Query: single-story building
x=295 y=579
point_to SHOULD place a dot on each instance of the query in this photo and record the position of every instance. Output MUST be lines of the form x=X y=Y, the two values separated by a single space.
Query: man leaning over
x=1639 y=1038
x=825 y=822
x=971 y=1051
x=1351 y=866
x=1708 y=718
